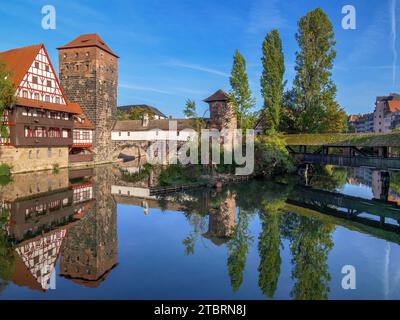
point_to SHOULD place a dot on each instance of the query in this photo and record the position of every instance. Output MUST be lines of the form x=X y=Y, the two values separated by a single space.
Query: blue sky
x=172 y=50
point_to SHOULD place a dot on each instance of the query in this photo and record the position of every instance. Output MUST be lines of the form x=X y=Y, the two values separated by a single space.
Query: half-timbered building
x=40 y=125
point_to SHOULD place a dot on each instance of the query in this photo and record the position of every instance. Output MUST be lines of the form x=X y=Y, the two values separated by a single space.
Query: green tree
x=272 y=83
x=315 y=90
x=269 y=247
x=335 y=119
x=238 y=248
x=310 y=245
x=190 y=109
x=289 y=112
x=190 y=112
x=240 y=93
x=7 y=258
x=7 y=95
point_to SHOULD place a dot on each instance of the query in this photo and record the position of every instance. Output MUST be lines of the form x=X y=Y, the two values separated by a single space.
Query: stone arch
x=137 y=149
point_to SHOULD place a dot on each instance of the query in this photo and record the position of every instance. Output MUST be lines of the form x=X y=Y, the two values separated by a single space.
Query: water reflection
x=69 y=219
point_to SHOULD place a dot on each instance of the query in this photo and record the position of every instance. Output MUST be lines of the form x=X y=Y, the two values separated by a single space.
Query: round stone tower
x=88 y=72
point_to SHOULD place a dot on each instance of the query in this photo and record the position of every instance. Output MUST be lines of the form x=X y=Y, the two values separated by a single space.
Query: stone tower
x=222 y=112
x=88 y=72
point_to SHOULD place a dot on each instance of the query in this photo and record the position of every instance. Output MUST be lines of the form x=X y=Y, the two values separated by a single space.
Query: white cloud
x=196 y=67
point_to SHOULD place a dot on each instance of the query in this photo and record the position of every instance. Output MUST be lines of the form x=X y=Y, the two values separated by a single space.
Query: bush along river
x=93 y=234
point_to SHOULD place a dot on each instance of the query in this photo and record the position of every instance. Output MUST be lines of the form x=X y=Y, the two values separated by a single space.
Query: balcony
x=75 y=158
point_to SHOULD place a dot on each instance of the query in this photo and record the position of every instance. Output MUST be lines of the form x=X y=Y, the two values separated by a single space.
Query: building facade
x=39 y=127
x=384 y=109
x=362 y=123
x=88 y=71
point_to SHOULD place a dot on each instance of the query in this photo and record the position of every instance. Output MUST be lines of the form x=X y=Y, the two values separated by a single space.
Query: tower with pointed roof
x=222 y=112
x=88 y=71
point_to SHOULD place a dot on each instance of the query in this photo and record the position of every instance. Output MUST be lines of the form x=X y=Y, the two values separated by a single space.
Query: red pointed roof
x=88 y=40
x=19 y=60
x=219 y=95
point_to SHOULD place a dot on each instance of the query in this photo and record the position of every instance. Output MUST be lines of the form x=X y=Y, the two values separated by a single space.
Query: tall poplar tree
x=240 y=93
x=313 y=85
x=272 y=83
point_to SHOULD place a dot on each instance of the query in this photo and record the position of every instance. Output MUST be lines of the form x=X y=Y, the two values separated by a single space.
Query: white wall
x=151 y=135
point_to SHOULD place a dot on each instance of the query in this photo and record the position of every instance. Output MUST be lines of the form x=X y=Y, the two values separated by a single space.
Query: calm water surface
x=87 y=234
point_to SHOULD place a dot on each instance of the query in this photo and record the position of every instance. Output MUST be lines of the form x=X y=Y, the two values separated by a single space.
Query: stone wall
x=222 y=116
x=34 y=158
x=90 y=250
x=34 y=183
x=89 y=77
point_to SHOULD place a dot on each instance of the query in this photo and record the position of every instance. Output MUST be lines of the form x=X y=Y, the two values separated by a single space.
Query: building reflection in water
x=51 y=214
x=90 y=250
x=72 y=216
x=222 y=219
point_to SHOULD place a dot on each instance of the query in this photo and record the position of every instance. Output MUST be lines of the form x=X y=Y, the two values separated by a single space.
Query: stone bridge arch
x=138 y=149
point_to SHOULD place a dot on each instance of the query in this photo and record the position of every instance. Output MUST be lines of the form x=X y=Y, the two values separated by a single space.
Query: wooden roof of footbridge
x=344 y=140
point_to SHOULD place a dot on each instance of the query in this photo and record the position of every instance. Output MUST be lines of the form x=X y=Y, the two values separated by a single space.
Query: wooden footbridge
x=380 y=151
x=376 y=217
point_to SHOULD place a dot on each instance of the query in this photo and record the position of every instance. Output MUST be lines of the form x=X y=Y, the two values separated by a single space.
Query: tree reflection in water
x=309 y=238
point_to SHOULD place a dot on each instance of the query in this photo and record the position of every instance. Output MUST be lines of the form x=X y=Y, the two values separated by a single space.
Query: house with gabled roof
x=40 y=125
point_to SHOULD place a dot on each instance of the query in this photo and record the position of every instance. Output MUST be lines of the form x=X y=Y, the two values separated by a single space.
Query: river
x=87 y=234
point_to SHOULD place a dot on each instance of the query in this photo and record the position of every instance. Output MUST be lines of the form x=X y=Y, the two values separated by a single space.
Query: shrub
x=272 y=157
x=5 y=170
x=143 y=173
x=178 y=174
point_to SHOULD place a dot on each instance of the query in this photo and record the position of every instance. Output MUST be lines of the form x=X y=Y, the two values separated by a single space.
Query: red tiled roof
x=394 y=105
x=86 y=124
x=19 y=60
x=88 y=40
x=69 y=107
